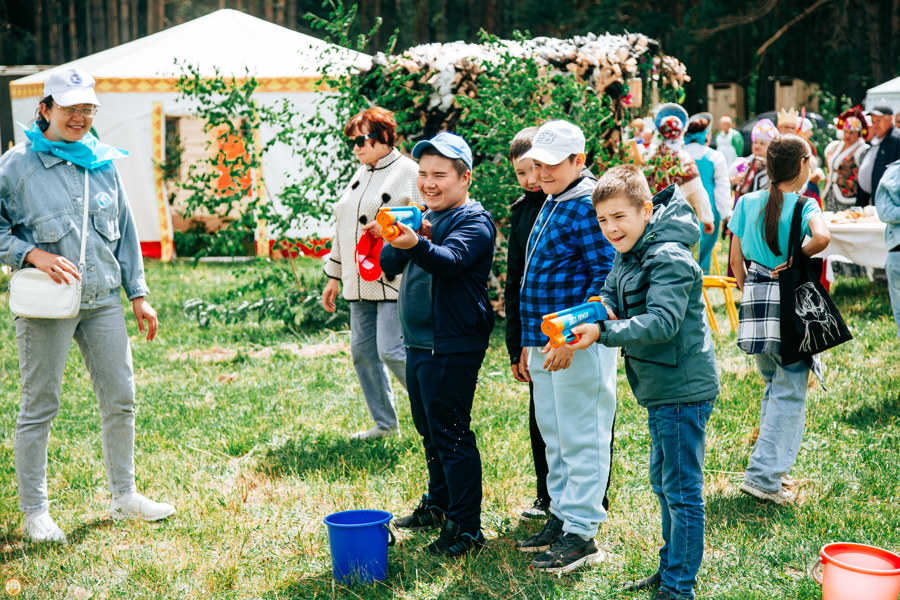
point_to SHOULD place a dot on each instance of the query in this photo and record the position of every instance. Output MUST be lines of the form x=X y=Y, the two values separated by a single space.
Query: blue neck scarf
x=88 y=152
x=698 y=137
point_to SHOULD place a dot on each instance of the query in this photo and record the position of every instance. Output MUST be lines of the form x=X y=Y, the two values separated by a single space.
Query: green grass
x=254 y=452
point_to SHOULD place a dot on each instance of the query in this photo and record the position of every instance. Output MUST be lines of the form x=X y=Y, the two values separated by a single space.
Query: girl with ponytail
x=761 y=225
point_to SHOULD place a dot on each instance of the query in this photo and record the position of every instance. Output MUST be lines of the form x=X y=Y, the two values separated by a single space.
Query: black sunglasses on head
x=360 y=140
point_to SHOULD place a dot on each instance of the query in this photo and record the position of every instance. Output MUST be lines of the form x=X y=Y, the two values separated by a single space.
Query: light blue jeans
x=575 y=409
x=892 y=266
x=376 y=345
x=677 y=450
x=782 y=418
x=43 y=347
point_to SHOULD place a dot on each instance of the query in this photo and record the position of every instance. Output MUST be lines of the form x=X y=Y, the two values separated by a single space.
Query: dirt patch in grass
x=223 y=355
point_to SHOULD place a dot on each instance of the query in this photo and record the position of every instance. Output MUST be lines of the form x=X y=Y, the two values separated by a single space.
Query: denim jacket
x=887 y=202
x=41 y=206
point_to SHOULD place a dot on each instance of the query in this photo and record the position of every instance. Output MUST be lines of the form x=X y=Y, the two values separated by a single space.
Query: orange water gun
x=558 y=326
x=389 y=217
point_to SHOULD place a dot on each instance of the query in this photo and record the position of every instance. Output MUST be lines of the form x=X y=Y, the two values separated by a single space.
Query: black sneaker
x=541 y=541
x=647 y=582
x=453 y=544
x=538 y=511
x=422 y=517
x=567 y=553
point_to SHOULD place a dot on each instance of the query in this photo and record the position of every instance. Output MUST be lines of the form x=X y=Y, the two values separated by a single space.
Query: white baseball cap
x=556 y=141
x=70 y=87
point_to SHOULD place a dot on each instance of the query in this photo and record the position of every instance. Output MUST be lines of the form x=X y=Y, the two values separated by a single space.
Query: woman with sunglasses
x=385 y=178
x=42 y=195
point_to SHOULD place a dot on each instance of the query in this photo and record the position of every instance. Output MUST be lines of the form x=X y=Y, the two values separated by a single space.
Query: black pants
x=538 y=450
x=441 y=388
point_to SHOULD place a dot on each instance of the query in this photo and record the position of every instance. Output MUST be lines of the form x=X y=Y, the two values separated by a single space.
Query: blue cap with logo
x=447 y=144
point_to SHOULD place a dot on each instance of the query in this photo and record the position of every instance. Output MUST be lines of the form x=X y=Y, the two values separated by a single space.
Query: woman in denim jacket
x=42 y=183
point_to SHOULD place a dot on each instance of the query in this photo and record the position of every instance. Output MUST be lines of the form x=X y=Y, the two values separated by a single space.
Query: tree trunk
x=292 y=14
x=98 y=26
x=53 y=37
x=270 y=11
x=112 y=20
x=124 y=21
x=376 y=40
x=421 y=22
x=38 y=31
x=73 y=33
x=135 y=32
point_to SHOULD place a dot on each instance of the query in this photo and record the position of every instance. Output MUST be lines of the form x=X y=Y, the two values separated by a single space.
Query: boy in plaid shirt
x=566 y=262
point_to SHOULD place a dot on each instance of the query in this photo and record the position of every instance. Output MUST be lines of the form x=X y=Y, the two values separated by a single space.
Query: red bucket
x=854 y=571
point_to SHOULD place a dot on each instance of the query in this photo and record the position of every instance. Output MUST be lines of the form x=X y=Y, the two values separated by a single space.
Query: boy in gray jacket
x=655 y=307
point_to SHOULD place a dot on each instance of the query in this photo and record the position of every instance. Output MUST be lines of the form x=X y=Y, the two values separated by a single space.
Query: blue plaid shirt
x=567 y=260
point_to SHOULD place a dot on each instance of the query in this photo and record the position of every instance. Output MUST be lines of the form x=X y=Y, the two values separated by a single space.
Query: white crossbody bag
x=33 y=294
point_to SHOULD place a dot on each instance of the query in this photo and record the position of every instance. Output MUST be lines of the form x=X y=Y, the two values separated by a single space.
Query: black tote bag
x=810 y=322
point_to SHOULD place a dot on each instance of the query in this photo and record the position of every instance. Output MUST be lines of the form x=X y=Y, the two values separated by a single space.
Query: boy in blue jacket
x=447 y=320
x=566 y=263
x=656 y=314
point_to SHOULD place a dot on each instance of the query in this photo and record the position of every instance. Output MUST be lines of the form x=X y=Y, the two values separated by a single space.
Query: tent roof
x=229 y=40
x=891 y=86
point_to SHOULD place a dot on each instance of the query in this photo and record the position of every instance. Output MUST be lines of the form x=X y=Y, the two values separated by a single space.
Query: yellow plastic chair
x=725 y=284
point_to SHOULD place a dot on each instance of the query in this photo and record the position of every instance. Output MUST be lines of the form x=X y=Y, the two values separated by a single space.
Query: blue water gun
x=558 y=326
x=389 y=217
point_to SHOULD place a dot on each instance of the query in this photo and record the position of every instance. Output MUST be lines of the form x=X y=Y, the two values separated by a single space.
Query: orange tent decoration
x=231 y=156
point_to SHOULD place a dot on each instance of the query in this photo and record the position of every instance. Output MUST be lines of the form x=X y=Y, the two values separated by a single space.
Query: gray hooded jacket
x=656 y=291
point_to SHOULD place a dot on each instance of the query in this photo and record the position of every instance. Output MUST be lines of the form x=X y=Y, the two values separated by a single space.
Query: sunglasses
x=71 y=111
x=360 y=140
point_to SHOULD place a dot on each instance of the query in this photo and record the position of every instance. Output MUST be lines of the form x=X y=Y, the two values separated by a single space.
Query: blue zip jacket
x=458 y=258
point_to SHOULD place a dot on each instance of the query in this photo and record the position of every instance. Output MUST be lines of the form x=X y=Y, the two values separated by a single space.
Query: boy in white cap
x=566 y=263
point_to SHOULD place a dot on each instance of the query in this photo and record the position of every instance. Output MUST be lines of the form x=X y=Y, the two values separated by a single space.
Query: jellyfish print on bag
x=818 y=322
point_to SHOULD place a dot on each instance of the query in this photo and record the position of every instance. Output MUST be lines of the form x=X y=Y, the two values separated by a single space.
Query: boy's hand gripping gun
x=558 y=326
x=388 y=217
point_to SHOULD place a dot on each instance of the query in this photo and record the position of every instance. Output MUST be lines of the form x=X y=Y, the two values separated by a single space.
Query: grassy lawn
x=254 y=452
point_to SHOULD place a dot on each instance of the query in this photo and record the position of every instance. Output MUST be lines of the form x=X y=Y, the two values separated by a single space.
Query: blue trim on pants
x=441 y=389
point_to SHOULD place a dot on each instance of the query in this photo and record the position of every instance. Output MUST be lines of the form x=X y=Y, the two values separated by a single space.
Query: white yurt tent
x=136 y=87
x=888 y=93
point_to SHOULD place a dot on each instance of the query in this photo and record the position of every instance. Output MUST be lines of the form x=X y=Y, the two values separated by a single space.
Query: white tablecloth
x=860 y=243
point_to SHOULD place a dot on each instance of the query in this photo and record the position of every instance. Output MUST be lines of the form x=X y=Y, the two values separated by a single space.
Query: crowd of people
x=420 y=309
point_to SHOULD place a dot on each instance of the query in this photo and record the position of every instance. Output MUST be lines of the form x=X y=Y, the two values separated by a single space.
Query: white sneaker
x=137 y=506
x=375 y=432
x=781 y=497
x=39 y=527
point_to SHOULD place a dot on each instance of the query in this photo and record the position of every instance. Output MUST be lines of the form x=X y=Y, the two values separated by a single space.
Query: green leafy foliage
x=288 y=296
x=515 y=93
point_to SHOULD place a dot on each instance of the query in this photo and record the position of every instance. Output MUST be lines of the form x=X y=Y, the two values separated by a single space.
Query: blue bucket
x=359 y=544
